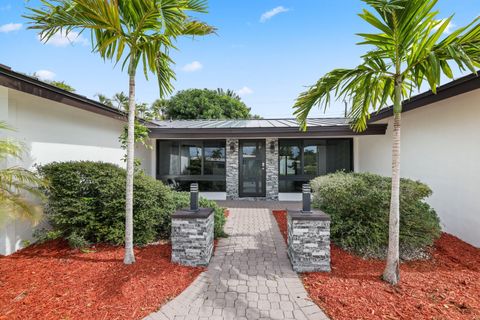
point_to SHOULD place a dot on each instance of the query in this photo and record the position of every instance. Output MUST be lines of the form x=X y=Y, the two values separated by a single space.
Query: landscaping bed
x=444 y=287
x=53 y=281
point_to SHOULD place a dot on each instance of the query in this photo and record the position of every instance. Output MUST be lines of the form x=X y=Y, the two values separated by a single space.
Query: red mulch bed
x=445 y=287
x=52 y=281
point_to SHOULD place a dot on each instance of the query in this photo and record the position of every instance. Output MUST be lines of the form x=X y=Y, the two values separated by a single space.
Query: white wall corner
x=356 y=154
x=153 y=158
x=3 y=104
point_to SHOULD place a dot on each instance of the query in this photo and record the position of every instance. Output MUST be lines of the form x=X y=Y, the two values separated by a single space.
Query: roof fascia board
x=454 y=88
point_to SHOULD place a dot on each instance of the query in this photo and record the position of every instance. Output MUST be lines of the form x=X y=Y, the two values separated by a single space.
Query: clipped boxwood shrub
x=358 y=204
x=86 y=200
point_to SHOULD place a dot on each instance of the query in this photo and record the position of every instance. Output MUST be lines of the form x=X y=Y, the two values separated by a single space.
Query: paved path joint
x=249 y=277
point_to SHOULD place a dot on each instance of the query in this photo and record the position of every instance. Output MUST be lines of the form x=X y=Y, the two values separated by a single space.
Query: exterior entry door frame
x=251 y=161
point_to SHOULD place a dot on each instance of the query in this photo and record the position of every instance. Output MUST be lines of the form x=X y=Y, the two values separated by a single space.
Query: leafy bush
x=358 y=204
x=86 y=204
x=43 y=235
x=182 y=200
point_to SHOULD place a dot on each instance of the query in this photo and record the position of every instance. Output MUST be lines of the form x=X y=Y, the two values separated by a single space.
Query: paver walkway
x=249 y=277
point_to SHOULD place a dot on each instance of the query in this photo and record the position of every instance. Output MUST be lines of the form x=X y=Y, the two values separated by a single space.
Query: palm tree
x=229 y=93
x=408 y=49
x=16 y=184
x=135 y=31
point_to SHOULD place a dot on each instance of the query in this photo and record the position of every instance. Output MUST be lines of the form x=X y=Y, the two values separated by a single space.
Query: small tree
x=406 y=50
x=16 y=184
x=137 y=31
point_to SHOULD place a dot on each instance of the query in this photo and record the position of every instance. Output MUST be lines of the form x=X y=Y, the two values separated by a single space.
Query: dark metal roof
x=256 y=128
x=250 y=123
x=462 y=85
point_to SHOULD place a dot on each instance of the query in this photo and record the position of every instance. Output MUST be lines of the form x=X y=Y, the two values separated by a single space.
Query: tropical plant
x=229 y=93
x=59 y=84
x=17 y=184
x=120 y=101
x=137 y=31
x=205 y=104
x=408 y=48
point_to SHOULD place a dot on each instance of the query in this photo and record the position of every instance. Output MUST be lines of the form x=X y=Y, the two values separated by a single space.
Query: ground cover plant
x=443 y=287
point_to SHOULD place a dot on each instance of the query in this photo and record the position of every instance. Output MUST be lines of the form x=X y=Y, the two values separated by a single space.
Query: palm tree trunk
x=129 y=254
x=392 y=270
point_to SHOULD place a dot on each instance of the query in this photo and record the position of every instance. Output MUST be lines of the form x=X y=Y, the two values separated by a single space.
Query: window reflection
x=181 y=162
x=191 y=160
x=302 y=160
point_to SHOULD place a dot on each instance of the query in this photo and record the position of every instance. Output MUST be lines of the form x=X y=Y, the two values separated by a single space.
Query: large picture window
x=182 y=162
x=302 y=160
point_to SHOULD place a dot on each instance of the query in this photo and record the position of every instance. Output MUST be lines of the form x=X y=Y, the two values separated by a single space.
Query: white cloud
x=448 y=29
x=192 y=67
x=9 y=27
x=60 y=39
x=244 y=91
x=272 y=13
x=45 y=74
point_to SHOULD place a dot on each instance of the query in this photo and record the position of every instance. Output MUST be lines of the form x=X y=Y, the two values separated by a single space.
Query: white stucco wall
x=54 y=131
x=440 y=146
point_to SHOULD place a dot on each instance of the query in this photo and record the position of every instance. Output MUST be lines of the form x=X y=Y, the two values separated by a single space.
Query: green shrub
x=77 y=241
x=358 y=204
x=182 y=200
x=86 y=204
x=43 y=235
x=88 y=199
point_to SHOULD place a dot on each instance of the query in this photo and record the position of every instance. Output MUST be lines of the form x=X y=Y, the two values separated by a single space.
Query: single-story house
x=259 y=159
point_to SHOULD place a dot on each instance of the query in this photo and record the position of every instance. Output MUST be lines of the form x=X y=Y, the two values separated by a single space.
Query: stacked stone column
x=308 y=237
x=192 y=233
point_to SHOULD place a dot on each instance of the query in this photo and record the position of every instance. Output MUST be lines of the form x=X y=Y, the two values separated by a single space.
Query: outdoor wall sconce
x=272 y=146
x=232 y=146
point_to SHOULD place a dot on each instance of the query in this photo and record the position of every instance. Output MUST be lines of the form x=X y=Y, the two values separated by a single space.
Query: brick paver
x=249 y=277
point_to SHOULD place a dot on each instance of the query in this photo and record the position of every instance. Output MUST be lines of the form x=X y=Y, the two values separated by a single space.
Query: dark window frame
x=302 y=143
x=188 y=177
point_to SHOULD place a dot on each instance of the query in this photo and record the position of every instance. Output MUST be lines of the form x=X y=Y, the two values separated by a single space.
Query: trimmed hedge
x=358 y=204
x=86 y=201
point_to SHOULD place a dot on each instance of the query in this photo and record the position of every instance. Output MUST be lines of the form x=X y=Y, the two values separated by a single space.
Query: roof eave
x=454 y=88
x=17 y=81
x=211 y=133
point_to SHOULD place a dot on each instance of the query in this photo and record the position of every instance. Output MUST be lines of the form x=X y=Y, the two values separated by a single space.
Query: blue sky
x=268 y=60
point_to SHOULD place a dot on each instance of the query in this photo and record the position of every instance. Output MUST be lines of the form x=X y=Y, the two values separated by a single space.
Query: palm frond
x=410 y=47
x=18 y=185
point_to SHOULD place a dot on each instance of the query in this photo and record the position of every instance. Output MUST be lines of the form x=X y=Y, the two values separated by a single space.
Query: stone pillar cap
x=313 y=215
x=188 y=214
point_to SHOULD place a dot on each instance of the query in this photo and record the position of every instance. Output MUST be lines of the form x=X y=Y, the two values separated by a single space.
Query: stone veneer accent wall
x=309 y=241
x=271 y=169
x=192 y=237
x=232 y=170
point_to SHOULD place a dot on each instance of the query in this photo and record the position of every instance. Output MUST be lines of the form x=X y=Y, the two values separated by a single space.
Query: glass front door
x=252 y=168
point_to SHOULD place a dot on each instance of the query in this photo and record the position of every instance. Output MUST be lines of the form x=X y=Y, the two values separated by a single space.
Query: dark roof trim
x=30 y=85
x=212 y=133
x=449 y=90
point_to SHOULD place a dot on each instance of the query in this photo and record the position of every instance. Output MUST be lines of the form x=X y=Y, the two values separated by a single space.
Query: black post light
x=194 y=197
x=306 y=199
